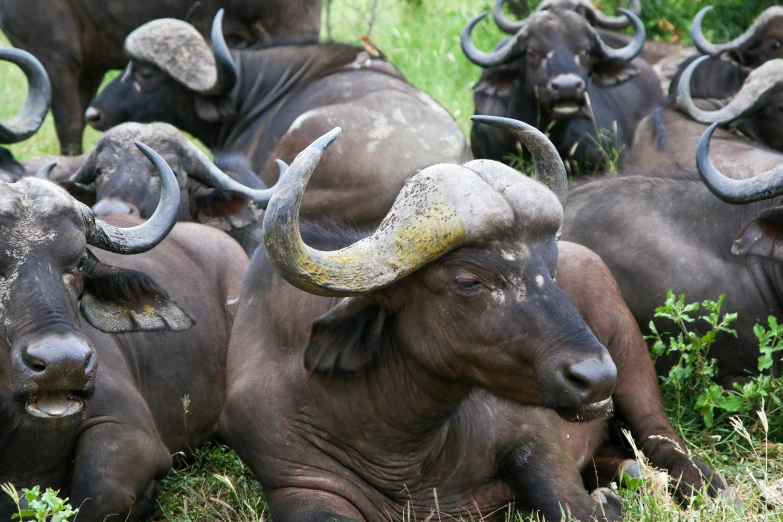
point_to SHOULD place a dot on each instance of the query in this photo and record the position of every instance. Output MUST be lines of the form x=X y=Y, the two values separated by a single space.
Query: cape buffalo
x=78 y=41
x=116 y=179
x=99 y=357
x=699 y=246
x=269 y=104
x=543 y=75
x=435 y=384
x=31 y=117
x=751 y=139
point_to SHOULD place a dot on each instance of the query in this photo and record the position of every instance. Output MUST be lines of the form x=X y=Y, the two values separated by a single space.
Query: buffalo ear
x=608 y=73
x=345 y=338
x=116 y=300
x=762 y=236
x=213 y=109
x=223 y=210
x=83 y=193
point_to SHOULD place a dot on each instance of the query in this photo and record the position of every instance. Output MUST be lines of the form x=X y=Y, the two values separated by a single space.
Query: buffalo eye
x=98 y=172
x=586 y=53
x=467 y=284
x=144 y=73
x=774 y=45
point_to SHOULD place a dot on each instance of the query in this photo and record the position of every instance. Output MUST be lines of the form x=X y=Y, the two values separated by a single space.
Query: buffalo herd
x=380 y=317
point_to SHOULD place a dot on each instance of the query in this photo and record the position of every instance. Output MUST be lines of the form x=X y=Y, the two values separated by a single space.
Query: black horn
x=764 y=186
x=146 y=236
x=226 y=70
x=498 y=57
x=39 y=97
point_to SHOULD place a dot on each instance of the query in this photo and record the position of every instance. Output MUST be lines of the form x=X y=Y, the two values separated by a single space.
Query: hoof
x=611 y=504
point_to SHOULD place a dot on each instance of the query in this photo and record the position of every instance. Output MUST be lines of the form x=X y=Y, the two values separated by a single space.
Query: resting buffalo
x=752 y=123
x=32 y=115
x=78 y=41
x=269 y=104
x=99 y=357
x=445 y=379
x=116 y=179
x=543 y=75
x=712 y=83
x=660 y=234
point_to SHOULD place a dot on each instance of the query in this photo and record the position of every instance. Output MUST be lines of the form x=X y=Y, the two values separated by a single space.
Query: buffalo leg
x=546 y=479
x=66 y=107
x=118 y=458
x=302 y=505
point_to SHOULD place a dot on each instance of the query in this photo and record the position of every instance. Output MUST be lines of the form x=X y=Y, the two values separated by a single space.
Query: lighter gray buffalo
x=78 y=41
x=269 y=104
x=432 y=365
x=100 y=347
x=751 y=120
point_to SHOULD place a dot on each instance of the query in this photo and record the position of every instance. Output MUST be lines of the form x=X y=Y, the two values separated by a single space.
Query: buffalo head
x=49 y=279
x=556 y=53
x=170 y=65
x=757 y=107
x=459 y=278
x=761 y=42
x=115 y=179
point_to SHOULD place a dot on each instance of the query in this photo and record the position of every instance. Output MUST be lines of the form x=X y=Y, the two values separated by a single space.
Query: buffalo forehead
x=177 y=48
x=38 y=197
x=535 y=207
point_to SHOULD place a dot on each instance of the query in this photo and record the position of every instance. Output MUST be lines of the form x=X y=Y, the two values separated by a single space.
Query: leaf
x=731 y=403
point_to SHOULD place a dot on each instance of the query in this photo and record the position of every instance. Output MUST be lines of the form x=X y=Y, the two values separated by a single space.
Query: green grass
x=421 y=37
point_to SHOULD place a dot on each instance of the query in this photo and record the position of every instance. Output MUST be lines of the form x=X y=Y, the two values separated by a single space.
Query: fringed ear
x=762 y=236
x=223 y=210
x=116 y=300
x=213 y=109
x=345 y=338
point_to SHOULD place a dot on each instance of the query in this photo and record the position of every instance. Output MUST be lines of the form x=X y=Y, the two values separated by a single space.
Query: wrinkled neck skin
x=408 y=403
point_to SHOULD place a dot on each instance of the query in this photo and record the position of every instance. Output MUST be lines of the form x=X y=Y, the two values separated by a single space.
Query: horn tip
x=504 y=123
x=324 y=141
x=45 y=171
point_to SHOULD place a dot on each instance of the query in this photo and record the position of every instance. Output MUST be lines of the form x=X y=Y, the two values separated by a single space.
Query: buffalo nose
x=109 y=206
x=93 y=115
x=591 y=380
x=64 y=363
x=567 y=86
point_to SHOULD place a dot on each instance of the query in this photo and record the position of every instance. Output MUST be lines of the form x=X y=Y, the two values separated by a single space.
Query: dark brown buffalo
x=115 y=178
x=751 y=133
x=30 y=118
x=98 y=357
x=660 y=234
x=443 y=379
x=544 y=75
x=78 y=41
x=269 y=104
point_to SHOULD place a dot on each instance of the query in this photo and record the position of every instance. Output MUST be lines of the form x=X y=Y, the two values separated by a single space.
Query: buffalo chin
x=597 y=410
x=54 y=410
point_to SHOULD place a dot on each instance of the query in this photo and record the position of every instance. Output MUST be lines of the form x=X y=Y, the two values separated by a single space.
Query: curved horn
x=210 y=175
x=615 y=22
x=146 y=236
x=761 y=81
x=714 y=50
x=433 y=213
x=39 y=97
x=46 y=171
x=191 y=11
x=550 y=170
x=490 y=59
x=503 y=23
x=86 y=174
x=634 y=47
x=764 y=186
x=226 y=70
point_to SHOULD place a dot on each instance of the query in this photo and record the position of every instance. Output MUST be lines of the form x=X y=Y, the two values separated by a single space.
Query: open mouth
x=566 y=109
x=597 y=410
x=54 y=404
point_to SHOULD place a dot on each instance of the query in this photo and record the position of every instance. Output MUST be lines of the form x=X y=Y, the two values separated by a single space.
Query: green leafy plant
x=41 y=507
x=689 y=390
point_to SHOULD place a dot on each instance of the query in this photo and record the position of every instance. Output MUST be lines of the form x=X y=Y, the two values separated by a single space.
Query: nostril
x=36 y=364
x=92 y=115
x=594 y=379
